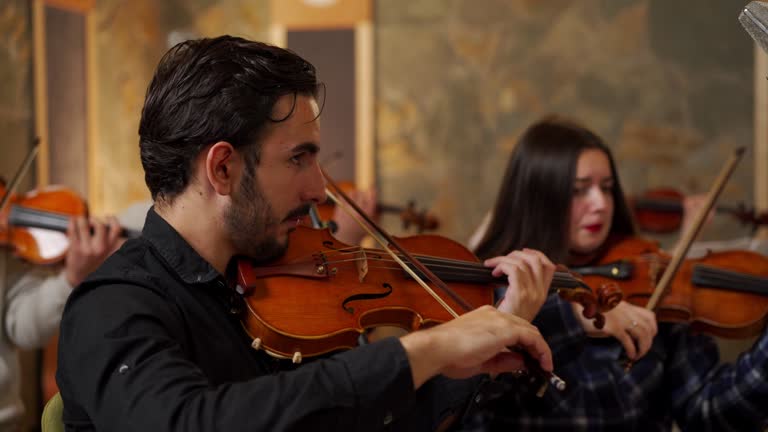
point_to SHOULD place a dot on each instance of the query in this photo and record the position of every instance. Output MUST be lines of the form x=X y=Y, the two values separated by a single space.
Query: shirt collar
x=176 y=252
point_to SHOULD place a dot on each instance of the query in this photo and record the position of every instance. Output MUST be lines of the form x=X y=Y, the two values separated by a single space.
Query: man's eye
x=296 y=159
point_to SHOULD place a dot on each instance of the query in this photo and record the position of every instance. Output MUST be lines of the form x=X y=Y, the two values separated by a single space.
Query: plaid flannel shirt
x=678 y=380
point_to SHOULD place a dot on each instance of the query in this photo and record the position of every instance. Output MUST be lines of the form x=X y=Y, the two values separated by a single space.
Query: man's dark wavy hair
x=210 y=90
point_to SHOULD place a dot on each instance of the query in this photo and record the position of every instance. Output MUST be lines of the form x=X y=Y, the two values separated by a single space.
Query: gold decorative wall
x=669 y=87
x=130 y=39
x=16 y=112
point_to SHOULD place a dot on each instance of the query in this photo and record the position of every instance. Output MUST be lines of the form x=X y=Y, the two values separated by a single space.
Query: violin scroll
x=750 y=216
x=596 y=303
x=661 y=211
x=409 y=215
x=422 y=220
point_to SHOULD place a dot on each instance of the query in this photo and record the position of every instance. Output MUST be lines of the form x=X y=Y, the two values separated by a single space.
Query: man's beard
x=251 y=223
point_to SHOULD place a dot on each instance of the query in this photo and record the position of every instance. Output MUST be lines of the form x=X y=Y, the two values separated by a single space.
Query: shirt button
x=388 y=418
x=123 y=369
x=478 y=398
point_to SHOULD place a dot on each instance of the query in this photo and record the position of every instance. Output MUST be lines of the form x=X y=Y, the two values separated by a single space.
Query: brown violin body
x=723 y=293
x=323 y=294
x=317 y=298
x=728 y=291
x=658 y=210
x=57 y=202
x=33 y=224
x=661 y=211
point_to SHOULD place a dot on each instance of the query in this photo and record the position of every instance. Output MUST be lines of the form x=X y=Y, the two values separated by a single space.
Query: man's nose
x=315 y=189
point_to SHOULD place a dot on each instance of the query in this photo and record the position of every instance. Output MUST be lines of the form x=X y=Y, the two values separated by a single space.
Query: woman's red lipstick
x=594 y=228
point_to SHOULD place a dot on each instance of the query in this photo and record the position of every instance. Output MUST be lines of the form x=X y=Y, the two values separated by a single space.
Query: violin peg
x=256 y=344
x=297 y=357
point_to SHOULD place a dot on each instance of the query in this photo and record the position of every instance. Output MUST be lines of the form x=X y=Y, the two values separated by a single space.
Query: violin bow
x=385 y=240
x=25 y=164
x=693 y=231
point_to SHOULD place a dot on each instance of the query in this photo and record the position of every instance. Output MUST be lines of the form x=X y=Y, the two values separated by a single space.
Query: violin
x=722 y=293
x=323 y=294
x=661 y=210
x=409 y=216
x=33 y=224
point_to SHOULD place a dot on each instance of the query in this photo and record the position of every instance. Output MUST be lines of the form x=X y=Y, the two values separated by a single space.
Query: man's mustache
x=298 y=212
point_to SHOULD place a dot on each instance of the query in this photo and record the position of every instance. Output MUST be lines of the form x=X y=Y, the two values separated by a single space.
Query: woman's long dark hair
x=533 y=207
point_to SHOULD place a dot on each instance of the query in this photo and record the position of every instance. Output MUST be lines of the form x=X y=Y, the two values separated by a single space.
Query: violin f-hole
x=366 y=296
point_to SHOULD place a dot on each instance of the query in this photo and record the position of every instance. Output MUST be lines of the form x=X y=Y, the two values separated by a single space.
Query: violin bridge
x=362 y=265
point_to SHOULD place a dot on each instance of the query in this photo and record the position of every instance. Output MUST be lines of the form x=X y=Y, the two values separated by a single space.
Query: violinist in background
x=569 y=206
x=689 y=205
x=229 y=136
x=31 y=302
x=750 y=243
x=347 y=229
x=344 y=227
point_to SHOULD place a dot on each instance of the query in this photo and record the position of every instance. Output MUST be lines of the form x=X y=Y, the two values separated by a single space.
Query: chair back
x=52 y=415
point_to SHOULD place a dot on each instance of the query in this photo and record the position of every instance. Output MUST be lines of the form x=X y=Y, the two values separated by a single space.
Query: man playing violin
x=229 y=137
x=32 y=300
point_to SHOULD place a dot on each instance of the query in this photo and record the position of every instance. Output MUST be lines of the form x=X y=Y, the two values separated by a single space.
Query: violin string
x=726 y=274
x=464 y=270
x=356 y=249
x=711 y=276
x=460 y=269
x=438 y=261
x=37 y=218
x=644 y=258
x=458 y=264
x=731 y=279
x=431 y=264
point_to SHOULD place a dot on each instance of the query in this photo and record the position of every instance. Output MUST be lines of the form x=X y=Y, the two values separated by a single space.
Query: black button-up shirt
x=149 y=343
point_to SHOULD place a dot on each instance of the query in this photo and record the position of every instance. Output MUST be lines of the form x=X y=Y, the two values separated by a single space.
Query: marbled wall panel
x=16 y=134
x=667 y=85
x=131 y=38
x=16 y=109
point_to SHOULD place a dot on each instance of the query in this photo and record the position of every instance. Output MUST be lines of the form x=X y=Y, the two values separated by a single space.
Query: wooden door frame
x=760 y=193
x=292 y=15
x=40 y=90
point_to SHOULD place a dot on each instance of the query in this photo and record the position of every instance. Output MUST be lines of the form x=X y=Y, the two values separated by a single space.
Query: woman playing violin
x=561 y=194
x=32 y=300
x=229 y=136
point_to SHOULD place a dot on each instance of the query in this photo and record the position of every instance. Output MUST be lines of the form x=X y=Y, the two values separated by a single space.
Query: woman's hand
x=633 y=326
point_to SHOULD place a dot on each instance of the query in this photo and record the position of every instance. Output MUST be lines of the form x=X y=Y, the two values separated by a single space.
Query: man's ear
x=222 y=167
